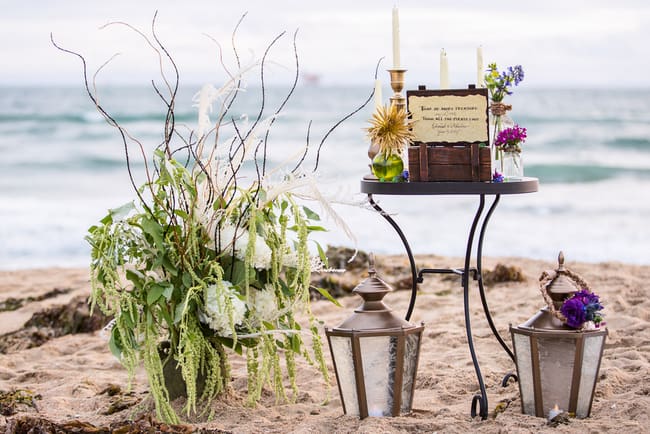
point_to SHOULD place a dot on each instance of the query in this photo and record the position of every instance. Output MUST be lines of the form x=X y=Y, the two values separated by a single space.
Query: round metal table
x=480 y=189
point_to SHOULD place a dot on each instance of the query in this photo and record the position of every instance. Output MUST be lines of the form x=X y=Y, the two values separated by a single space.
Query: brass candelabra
x=397 y=84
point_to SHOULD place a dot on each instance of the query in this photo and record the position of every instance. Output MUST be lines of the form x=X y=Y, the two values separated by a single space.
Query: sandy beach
x=71 y=380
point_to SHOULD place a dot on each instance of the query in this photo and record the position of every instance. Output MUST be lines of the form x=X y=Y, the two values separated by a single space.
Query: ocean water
x=62 y=166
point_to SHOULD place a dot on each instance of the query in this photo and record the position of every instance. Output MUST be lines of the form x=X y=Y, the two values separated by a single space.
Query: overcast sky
x=560 y=43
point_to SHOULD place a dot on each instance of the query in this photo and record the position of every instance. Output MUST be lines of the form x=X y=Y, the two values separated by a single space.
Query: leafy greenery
x=157 y=270
x=207 y=263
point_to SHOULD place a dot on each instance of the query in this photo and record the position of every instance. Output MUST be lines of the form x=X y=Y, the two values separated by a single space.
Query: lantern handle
x=548 y=277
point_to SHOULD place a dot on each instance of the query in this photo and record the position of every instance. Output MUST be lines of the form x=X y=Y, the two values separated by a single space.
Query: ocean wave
x=92 y=117
x=630 y=143
x=570 y=173
x=579 y=120
x=84 y=164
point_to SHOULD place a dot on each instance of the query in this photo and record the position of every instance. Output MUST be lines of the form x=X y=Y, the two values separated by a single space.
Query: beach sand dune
x=73 y=379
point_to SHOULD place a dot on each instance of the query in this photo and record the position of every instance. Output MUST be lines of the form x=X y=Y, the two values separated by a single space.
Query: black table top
x=523 y=185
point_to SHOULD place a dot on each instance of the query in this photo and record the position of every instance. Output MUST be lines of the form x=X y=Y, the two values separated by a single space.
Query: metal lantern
x=557 y=365
x=375 y=355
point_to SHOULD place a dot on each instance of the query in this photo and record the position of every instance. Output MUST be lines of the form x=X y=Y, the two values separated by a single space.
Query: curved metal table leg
x=414 y=272
x=479 y=256
x=480 y=398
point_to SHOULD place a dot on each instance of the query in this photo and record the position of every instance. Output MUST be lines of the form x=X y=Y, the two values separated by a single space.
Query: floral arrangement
x=212 y=259
x=582 y=310
x=390 y=132
x=499 y=83
x=389 y=129
x=510 y=139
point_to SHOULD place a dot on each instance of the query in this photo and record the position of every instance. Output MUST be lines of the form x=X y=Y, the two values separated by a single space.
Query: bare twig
x=284 y=102
x=108 y=118
x=346 y=117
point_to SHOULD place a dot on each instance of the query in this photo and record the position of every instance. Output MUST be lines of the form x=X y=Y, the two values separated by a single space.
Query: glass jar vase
x=498 y=121
x=387 y=167
x=512 y=165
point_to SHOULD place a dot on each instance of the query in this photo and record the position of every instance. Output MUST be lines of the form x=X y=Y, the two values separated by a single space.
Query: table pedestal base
x=479 y=401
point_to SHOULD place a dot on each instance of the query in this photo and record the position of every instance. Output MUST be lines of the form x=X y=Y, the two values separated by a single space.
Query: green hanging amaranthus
x=207 y=263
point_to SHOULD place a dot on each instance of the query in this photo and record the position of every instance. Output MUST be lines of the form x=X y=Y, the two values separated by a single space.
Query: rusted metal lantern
x=375 y=355
x=557 y=365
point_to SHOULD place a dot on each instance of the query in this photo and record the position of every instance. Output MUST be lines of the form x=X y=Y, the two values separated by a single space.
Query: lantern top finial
x=561 y=282
x=373 y=313
x=371 y=265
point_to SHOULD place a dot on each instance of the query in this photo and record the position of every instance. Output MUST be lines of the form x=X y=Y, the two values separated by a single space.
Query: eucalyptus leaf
x=325 y=293
x=135 y=277
x=154 y=292
x=178 y=312
x=119 y=213
x=311 y=215
x=321 y=254
x=154 y=229
x=115 y=344
x=163 y=309
x=295 y=343
x=182 y=214
x=168 y=291
x=187 y=279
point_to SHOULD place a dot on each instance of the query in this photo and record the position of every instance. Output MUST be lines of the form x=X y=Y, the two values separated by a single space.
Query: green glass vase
x=387 y=168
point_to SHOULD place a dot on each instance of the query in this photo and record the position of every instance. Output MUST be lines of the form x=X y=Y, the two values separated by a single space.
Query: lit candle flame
x=554 y=412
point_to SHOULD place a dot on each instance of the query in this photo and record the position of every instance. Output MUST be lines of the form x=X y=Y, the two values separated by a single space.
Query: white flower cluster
x=218 y=298
x=265 y=305
x=219 y=301
x=262 y=256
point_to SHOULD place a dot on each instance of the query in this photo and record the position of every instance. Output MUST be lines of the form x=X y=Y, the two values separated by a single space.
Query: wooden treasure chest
x=451 y=139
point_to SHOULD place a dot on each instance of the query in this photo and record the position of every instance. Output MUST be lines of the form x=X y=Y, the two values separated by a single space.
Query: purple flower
x=574 y=311
x=581 y=307
x=499 y=84
x=405 y=175
x=510 y=138
x=497 y=177
x=592 y=305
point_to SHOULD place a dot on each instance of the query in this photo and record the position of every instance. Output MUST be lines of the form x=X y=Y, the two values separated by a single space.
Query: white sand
x=70 y=372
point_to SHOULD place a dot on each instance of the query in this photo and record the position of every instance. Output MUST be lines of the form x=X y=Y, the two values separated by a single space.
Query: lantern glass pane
x=525 y=372
x=410 y=359
x=556 y=358
x=590 y=360
x=342 y=352
x=379 y=354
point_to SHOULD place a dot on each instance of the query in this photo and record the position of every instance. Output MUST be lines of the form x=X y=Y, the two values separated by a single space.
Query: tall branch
x=346 y=117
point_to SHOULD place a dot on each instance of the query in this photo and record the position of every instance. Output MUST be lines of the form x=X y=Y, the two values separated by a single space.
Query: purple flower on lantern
x=497 y=177
x=574 y=311
x=583 y=306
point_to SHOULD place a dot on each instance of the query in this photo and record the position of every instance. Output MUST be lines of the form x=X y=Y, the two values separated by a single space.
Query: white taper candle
x=480 y=74
x=444 y=70
x=396 y=59
x=378 y=96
